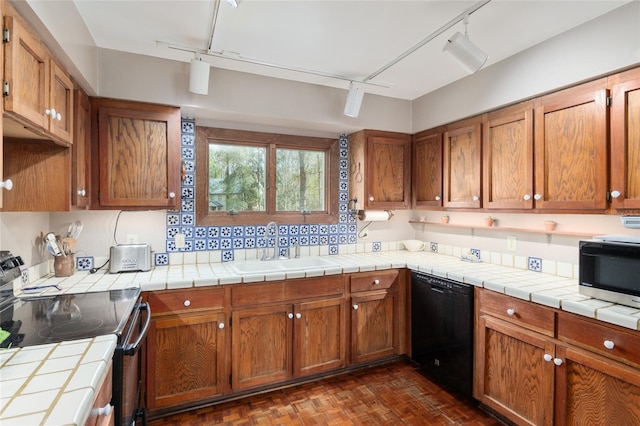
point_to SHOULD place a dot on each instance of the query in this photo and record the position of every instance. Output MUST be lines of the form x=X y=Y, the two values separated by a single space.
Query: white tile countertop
x=56 y=383
x=53 y=384
x=539 y=287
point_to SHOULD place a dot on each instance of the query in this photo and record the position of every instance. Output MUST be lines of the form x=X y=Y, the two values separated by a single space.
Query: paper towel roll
x=374 y=215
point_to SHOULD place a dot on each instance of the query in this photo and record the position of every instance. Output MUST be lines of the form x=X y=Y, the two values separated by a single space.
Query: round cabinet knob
x=476 y=198
x=537 y=197
x=615 y=194
x=547 y=357
x=7 y=184
x=172 y=195
x=511 y=312
x=82 y=192
x=290 y=315
x=437 y=198
x=526 y=197
x=355 y=307
x=557 y=361
x=298 y=315
x=49 y=112
x=104 y=411
x=371 y=198
x=221 y=325
x=376 y=281
x=187 y=303
x=609 y=344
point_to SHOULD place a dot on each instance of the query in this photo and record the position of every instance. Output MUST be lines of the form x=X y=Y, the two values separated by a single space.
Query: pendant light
x=354 y=100
x=199 y=76
x=470 y=56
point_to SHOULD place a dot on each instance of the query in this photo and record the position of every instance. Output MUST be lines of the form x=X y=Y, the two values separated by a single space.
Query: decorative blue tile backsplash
x=230 y=238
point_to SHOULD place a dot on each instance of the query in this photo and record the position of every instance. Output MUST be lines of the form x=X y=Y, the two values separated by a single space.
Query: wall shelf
x=504 y=229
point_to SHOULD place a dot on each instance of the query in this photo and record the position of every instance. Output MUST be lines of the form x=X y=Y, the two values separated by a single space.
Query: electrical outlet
x=180 y=241
x=132 y=238
x=511 y=242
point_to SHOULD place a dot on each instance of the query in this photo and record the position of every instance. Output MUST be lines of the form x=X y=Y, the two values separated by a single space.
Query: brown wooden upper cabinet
x=427 y=169
x=380 y=169
x=81 y=151
x=138 y=162
x=37 y=92
x=462 y=163
x=507 y=157
x=571 y=148
x=625 y=140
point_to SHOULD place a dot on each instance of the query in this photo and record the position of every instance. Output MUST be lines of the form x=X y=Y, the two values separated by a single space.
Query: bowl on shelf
x=549 y=225
x=414 y=245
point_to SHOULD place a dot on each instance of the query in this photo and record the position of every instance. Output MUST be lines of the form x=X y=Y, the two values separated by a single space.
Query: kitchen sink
x=281 y=265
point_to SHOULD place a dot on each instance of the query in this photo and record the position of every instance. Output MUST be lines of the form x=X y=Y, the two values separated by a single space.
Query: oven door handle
x=131 y=349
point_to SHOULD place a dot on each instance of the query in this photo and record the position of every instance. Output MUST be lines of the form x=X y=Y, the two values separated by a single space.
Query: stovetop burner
x=51 y=319
x=70 y=329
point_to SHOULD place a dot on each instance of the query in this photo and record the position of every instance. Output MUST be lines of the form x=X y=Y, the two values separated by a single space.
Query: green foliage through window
x=300 y=180
x=237 y=178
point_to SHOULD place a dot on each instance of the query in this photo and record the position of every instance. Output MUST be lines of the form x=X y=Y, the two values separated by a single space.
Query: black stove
x=52 y=319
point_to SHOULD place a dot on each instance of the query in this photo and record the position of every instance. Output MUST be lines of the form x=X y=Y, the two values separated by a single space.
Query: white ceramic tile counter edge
x=53 y=384
x=539 y=287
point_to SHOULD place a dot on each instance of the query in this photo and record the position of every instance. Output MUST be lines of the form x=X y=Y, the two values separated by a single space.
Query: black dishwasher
x=442 y=330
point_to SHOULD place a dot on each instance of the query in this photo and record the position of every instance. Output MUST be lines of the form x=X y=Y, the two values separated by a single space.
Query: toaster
x=130 y=258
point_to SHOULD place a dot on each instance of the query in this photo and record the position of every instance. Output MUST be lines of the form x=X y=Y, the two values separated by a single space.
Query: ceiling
x=331 y=42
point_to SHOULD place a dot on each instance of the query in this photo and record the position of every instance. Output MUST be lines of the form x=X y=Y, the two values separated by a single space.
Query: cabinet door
x=60 y=104
x=138 y=155
x=462 y=162
x=27 y=73
x=512 y=376
x=571 y=149
x=625 y=143
x=261 y=346
x=594 y=390
x=426 y=188
x=80 y=161
x=507 y=154
x=374 y=325
x=185 y=358
x=319 y=336
x=388 y=172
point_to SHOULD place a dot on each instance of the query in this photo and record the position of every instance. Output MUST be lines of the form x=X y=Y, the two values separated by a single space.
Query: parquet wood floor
x=391 y=394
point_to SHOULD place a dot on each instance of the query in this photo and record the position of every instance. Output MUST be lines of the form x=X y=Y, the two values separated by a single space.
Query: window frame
x=272 y=141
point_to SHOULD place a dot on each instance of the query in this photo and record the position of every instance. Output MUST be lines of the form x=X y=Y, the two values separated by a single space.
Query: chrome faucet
x=265 y=256
x=296 y=248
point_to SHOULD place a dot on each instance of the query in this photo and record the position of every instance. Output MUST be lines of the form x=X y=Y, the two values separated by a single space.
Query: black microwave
x=610 y=270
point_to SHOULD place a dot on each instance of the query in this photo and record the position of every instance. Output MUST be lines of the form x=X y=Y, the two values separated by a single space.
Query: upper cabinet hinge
x=5 y=88
x=6 y=35
x=609 y=100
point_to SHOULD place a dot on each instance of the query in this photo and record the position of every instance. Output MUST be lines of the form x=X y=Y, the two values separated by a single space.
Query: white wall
x=598 y=47
x=21 y=234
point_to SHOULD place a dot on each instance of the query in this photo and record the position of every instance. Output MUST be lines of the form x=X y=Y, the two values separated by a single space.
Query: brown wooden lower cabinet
x=185 y=348
x=569 y=377
x=512 y=376
x=275 y=343
x=207 y=344
x=374 y=320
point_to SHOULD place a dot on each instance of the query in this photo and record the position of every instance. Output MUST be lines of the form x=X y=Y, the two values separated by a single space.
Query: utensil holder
x=64 y=266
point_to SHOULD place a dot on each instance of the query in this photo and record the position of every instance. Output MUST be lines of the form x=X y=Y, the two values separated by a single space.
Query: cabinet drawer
x=373 y=280
x=525 y=314
x=286 y=291
x=185 y=300
x=598 y=337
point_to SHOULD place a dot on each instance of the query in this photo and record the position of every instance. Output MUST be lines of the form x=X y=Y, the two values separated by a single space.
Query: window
x=254 y=178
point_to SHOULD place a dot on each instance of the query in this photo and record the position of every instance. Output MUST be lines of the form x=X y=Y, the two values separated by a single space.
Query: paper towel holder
x=374 y=215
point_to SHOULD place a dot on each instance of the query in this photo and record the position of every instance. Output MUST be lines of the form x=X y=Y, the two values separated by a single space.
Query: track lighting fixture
x=470 y=56
x=354 y=100
x=199 y=76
